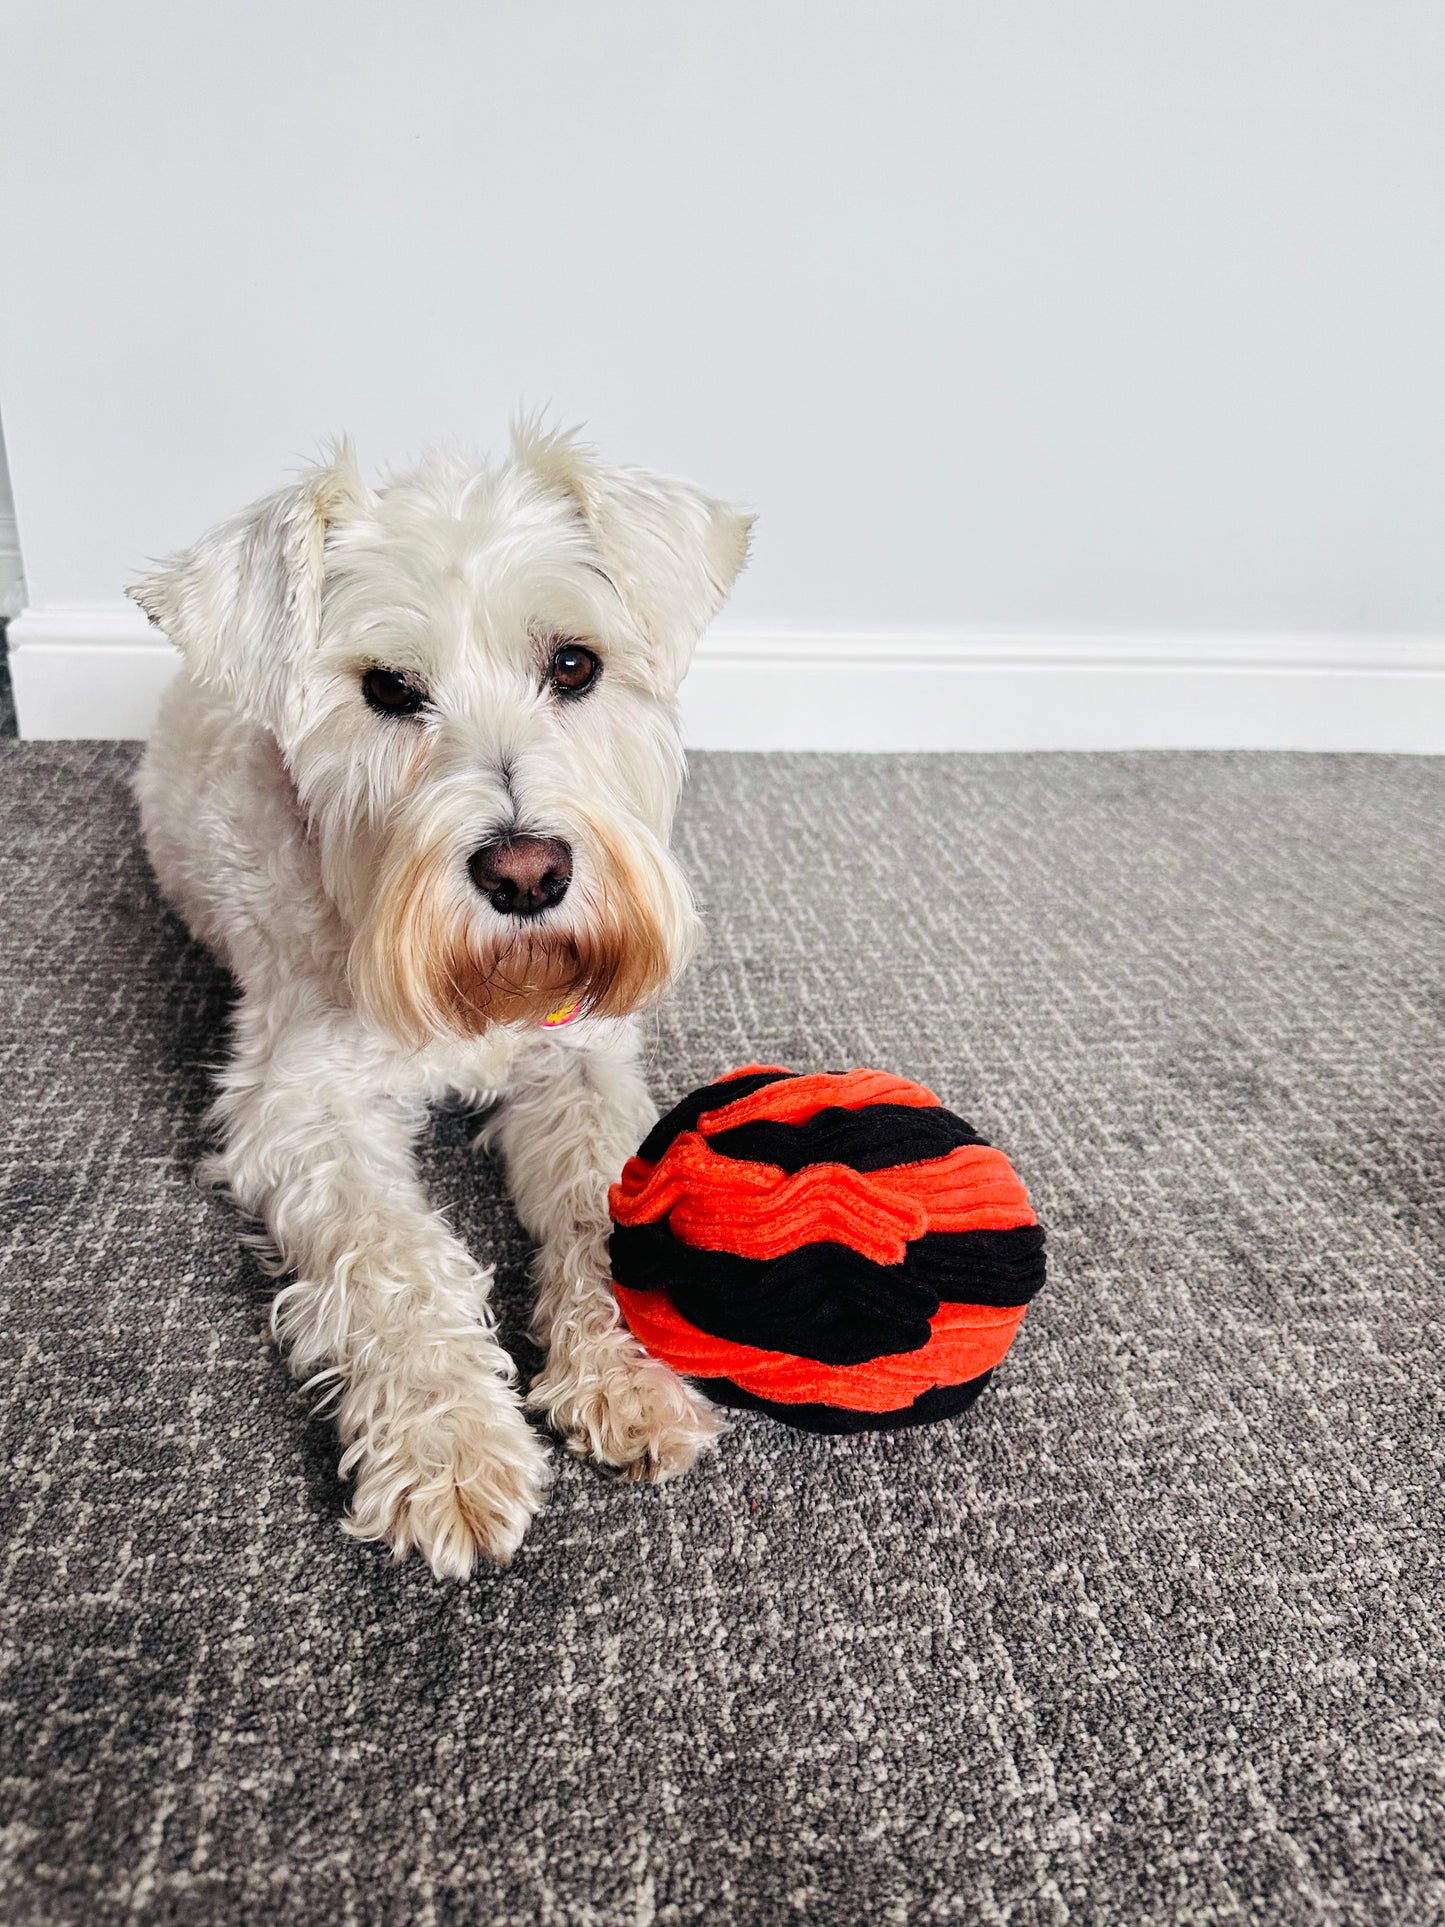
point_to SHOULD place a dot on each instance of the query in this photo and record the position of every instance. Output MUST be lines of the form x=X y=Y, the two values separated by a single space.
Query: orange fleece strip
x=800 y=1098
x=967 y=1340
x=758 y=1211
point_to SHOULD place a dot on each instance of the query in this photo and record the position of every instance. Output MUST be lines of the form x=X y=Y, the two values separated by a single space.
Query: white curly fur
x=321 y=851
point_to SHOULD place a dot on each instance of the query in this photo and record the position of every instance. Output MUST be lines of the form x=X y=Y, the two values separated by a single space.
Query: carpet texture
x=1154 y=1634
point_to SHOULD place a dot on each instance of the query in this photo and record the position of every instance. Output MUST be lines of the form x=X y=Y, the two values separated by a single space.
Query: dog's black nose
x=523 y=875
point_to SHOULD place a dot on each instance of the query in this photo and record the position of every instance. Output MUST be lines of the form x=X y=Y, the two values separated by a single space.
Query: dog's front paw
x=610 y=1402
x=456 y=1480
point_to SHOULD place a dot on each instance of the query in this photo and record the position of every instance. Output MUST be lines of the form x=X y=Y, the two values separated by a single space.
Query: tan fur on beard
x=416 y=971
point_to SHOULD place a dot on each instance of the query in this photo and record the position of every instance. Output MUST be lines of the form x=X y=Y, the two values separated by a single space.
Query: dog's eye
x=573 y=668
x=392 y=694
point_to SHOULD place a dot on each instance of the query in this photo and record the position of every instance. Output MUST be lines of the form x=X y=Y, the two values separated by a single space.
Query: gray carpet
x=1153 y=1635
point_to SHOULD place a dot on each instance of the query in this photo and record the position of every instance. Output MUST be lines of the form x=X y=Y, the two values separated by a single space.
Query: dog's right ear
x=243 y=605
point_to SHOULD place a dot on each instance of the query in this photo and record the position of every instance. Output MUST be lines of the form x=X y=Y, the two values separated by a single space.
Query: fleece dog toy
x=836 y=1250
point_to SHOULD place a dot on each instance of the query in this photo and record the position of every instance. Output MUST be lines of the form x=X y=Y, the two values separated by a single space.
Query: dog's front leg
x=387 y=1309
x=574 y=1114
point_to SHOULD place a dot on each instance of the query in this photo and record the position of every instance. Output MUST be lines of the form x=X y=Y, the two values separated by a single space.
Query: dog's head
x=471 y=675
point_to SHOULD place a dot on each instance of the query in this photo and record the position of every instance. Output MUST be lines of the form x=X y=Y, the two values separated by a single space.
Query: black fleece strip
x=942 y=1401
x=684 y=1116
x=822 y=1301
x=826 y=1301
x=875 y=1138
x=979 y=1267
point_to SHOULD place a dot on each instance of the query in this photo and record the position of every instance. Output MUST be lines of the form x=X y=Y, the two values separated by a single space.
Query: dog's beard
x=426 y=964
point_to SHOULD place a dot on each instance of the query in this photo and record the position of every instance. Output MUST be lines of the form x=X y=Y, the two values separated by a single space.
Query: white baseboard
x=79 y=673
x=988 y=692
x=96 y=674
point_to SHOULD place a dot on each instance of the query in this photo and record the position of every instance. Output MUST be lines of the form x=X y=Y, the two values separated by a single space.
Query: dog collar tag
x=560 y=1017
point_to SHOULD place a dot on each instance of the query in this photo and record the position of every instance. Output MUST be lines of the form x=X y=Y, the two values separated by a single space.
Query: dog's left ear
x=671 y=551
x=243 y=605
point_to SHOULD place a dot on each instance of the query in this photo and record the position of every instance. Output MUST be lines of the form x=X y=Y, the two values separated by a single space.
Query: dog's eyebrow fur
x=595 y=570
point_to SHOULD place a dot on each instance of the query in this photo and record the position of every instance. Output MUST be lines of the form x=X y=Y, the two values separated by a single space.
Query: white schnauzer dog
x=414 y=787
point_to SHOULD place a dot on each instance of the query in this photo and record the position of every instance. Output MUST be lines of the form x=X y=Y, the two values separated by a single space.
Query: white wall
x=12 y=587
x=1120 y=320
